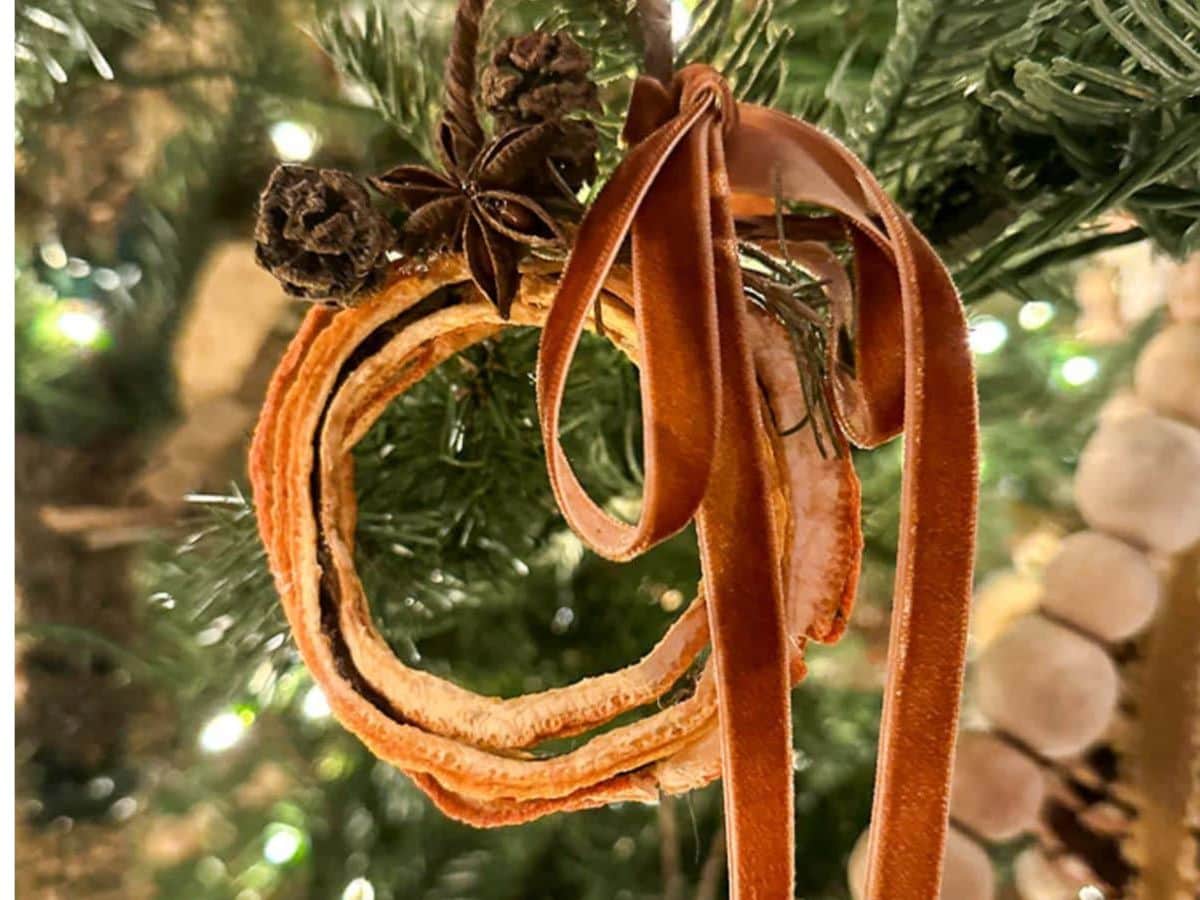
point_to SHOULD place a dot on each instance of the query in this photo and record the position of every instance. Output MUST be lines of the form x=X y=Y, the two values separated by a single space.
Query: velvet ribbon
x=698 y=161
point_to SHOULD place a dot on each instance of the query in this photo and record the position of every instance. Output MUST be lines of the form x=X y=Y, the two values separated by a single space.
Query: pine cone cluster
x=543 y=77
x=318 y=233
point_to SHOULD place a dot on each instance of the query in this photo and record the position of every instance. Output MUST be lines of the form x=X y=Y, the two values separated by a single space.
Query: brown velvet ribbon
x=697 y=161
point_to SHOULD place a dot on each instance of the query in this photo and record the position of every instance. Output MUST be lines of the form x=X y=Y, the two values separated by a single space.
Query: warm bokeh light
x=222 y=732
x=1035 y=314
x=82 y=324
x=1079 y=370
x=988 y=334
x=293 y=142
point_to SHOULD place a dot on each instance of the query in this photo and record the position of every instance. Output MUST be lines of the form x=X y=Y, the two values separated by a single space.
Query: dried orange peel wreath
x=777 y=519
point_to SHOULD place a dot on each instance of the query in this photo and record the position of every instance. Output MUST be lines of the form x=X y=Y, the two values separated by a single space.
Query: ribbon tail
x=912 y=369
x=933 y=579
x=738 y=545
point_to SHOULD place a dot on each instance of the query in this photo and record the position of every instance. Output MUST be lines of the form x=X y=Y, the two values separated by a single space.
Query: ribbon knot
x=691 y=144
x=702 y=85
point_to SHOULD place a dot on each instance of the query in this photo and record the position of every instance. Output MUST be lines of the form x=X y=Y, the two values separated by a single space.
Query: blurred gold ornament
x=1183 y=290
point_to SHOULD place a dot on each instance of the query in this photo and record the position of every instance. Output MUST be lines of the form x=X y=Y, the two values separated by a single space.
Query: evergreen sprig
x=750 y=53
x=55 y=38
x=1007 y=128
x=918 y=114
x=389 y=52
x=1109 y=94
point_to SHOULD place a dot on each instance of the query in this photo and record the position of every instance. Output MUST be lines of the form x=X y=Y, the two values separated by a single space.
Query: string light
x=223 y=731
x=79 y=323
x=988 y=334
x=315 y=705
x=293 y=142
x=1035 y=314
x=1079 y=370
x=359 y=889
x=283 y=844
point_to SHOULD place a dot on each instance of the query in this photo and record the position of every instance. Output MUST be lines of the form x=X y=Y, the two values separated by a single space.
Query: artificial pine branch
x=750 y=53
x=918 y=109
x=389 y=53
x=55 y=39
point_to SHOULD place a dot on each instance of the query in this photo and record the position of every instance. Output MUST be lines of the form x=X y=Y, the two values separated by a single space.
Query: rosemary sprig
x=799 y=302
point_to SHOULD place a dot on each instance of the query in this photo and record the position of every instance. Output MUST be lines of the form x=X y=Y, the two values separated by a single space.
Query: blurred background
x=170 y=744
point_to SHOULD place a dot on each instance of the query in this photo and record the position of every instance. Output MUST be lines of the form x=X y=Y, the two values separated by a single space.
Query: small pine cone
x=536 y=77
x=319 y=235
x=540 y=77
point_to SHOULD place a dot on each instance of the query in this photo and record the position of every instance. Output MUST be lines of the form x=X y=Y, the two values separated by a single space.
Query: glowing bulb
x=283 y=844
x=988 y=335
x=1090 y=893
x=1079 y=370
x=222 y=732
x=359 y=889
x=80 y=323
x=1035 y=314
x=315 y=706
x=293 y=142
x=681 y=21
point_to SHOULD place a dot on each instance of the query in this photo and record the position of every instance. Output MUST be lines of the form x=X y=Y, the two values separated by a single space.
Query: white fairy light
x=223 y=731
x=988 y=334
x=82 y=324
x=283 y=844
x=359 y=889
x=315 y=705
x=1079 y=370
x=1035 y=314
x=293 y=142
x=1090 y=892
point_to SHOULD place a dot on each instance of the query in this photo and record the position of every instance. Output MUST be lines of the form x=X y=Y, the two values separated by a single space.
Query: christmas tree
x=170 y=742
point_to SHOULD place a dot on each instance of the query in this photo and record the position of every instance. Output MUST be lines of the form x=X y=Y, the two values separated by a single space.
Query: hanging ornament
x=707 y=182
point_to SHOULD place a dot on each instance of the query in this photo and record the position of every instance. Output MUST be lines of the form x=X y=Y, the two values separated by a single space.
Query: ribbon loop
x=673 y=290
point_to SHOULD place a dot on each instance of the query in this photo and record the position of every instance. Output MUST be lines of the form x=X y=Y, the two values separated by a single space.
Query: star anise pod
x=482 y=204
